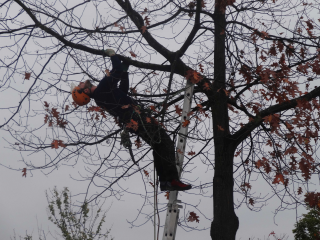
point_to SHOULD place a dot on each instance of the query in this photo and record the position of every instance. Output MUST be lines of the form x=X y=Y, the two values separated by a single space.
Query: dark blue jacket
x=112 y=98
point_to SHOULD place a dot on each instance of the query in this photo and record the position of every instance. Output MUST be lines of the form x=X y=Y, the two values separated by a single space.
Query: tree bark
x=225 y=223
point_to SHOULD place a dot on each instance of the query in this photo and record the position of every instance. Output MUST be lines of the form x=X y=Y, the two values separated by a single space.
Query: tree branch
x=244 y=132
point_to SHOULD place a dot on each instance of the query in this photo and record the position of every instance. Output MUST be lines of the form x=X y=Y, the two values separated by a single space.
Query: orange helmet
x=79 y=96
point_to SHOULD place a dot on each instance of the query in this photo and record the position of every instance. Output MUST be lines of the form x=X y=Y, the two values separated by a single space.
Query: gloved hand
x=109 y=52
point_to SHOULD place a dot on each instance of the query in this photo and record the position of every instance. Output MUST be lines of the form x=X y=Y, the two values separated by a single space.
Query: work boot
x=174 y=185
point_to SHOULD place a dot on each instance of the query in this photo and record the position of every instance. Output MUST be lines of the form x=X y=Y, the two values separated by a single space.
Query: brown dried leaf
x=27 y=75
x=185 y=123
x=143 y=29
x=193 y=217
x=191 y=153
x=24 y=172
x=167 y=195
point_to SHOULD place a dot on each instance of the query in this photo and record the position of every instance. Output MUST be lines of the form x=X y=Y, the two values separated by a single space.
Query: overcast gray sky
x=23 y=208
x=23 y=202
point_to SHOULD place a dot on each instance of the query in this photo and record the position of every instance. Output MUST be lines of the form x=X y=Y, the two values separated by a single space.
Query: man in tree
x=133 y=117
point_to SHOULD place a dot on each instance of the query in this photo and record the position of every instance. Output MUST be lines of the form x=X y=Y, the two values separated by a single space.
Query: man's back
x=111 y=98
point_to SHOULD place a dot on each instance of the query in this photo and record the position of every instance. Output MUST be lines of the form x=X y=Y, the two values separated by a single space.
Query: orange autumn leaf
x=136 y=109
x=190 y=113
x=312 y=198
x=56 y=143
x=289 y=126
x=167 y=195
x=153 y=108
x=193 y=217
x=94 y=109
x=193 y=76
x=125 y=106
x=122 y=28
x=258 y=163
x=24 y=172
x=201 y=68
x=268 y=119
x=278 y=178
x=238 y=153
x=27 y=75
x=178 y=110
x=143 y=29
x=179 y=151
x=246 y=185
x=147 y=20
x=291 y=150
x=138 y=143
x=206 y=86
x=132 y=124
x=46 y=117
x=46 y=104
x=220 y=128
x=55 y=113
x=133 y=54
x=191 y=153
x=61 y=144
x=146 y=173
x=203 y=4
x=185 y=123
x=148 y=120
x=144 y=11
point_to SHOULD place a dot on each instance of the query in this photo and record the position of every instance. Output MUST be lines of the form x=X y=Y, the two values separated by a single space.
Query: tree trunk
x=225 y=222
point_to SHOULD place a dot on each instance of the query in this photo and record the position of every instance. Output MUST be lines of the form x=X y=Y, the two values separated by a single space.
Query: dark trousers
x=162 y=145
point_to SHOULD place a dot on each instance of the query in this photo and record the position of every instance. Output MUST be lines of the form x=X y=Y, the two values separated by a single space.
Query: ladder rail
x=172 y=216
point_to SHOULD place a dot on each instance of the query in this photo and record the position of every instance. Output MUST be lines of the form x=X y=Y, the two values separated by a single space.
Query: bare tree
x=254 y=65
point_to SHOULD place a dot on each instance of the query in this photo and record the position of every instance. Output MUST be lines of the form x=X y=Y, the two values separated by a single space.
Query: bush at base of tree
x=72 y=224
x=85 y=224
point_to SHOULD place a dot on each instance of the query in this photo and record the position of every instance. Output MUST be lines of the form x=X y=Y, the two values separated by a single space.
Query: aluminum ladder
x=172 y=216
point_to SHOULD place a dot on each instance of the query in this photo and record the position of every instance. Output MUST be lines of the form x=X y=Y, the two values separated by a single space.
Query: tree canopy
x=255 y=112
